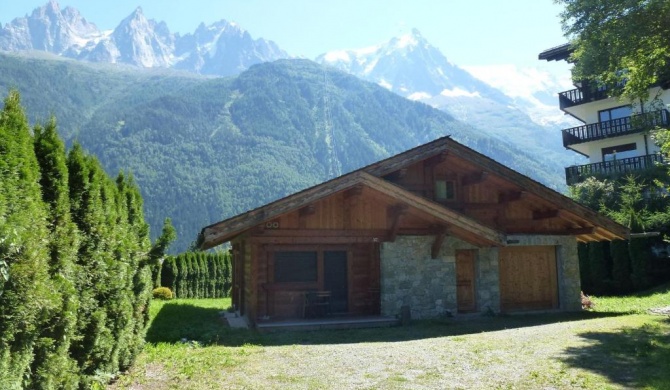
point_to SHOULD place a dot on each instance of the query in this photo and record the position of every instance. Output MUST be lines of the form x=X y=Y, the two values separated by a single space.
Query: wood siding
x=528 y=278
x=285 y=300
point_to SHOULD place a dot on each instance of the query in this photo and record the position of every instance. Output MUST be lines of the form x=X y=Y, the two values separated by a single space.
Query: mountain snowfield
x=220 y=49
x=410 y=66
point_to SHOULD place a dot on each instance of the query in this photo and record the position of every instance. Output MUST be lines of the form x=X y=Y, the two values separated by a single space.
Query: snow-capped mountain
x=137 y=41
x=50 y=29
x=222 y=48
x=410 y=66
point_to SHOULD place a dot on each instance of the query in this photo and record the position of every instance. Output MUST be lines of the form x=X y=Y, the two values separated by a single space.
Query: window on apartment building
x=614 y=113
x=619 y=152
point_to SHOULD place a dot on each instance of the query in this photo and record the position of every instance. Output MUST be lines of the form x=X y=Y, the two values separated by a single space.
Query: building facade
x=615 y=135
x=437 y=230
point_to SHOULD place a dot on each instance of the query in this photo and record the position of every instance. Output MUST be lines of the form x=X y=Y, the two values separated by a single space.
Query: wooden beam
x=437 y=244
x=479 y=206
x=546 y=214
x=511 y=196
x=474 y=178
x=396 y=212
x=435 y=160
x=307 y=210
x=533 y=187
x=438 y=211
x=329 y=240
x=356 y=190
x=581 y=231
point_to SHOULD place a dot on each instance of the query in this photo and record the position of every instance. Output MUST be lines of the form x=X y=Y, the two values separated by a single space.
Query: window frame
x=613 y=150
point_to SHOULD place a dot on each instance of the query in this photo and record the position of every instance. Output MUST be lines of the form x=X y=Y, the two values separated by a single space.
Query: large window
x=619 y=152
x=295 y=266
x=614 y=113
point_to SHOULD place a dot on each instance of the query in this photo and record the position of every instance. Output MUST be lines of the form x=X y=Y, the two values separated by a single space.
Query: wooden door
x=465 y=281
x=528 y=278
x=335 y=280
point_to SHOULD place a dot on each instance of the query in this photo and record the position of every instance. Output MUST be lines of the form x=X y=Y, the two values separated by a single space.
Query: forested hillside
x=203 y=149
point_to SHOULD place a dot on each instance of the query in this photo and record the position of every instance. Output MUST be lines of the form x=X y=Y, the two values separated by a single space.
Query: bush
x=162 y=293
x=587 y=303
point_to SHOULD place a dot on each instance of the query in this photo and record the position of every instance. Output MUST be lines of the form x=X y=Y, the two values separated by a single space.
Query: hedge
x=198 y=275
x=74 y=279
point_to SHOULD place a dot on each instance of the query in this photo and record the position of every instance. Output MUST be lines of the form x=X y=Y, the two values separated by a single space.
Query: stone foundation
x=409 y=276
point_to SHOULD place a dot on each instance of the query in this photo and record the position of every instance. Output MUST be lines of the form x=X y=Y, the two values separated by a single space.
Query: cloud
x=456 y=92
x=521 y=82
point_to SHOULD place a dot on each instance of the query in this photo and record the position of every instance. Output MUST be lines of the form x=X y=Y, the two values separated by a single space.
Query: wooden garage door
x=528 y=278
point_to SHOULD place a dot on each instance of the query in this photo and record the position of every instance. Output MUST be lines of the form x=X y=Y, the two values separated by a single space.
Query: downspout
x=646 y=142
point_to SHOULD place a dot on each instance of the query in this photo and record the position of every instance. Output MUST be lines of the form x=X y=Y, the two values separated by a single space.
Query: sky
x=479 y=35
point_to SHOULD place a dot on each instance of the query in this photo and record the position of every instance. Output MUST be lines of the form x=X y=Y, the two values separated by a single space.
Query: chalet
x=614 y=134
x=439 y=229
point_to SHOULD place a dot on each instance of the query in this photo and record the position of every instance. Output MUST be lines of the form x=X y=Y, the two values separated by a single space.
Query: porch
x=336 y=322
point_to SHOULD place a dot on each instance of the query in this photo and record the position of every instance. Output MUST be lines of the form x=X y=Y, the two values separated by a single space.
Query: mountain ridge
x=203 y=149
x=137 y=41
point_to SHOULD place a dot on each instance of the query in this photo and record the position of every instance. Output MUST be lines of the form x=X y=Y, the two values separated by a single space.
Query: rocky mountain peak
x=222 y=48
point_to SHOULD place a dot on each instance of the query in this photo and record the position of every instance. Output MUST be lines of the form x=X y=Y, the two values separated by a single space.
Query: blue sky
x=468 y=32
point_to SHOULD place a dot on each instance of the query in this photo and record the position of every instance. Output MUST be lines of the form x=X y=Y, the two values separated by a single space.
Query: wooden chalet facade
x=439 y=228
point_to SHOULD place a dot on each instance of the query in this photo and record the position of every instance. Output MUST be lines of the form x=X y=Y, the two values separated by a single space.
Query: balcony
x=616 y=127
x=578 y=96
x=578 y=173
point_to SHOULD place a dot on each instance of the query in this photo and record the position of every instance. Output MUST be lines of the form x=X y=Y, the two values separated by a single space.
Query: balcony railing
x=578 y=173
x=589 y=92
x=616 y=127
x=578 y=96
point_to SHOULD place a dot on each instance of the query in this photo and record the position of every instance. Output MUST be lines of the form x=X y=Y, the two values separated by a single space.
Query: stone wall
x=409 y=276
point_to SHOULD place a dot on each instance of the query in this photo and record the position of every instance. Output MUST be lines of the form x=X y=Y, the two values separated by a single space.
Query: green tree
x=28 y=297
x=598 y=267
x=53 y=366
x=159 y=249
x=584 y=269
x=615 y=40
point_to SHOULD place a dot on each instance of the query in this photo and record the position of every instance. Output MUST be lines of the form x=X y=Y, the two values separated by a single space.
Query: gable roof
x=370 y=176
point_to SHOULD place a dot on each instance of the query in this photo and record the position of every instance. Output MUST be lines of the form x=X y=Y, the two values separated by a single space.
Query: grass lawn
x=608 y=348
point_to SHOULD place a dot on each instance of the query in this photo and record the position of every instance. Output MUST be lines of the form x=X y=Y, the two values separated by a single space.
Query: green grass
x=636 y=303
x=590 y=350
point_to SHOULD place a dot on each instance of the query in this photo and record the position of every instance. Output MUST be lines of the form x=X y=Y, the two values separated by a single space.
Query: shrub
x=587 y=303
x=162 y=293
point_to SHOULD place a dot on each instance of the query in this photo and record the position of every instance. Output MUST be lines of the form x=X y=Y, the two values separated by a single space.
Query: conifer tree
x=227 y=274
x=597 y=266
x=213 y=275
x=27 y=297
x=184 y=276
x=204 y=275
x=53 y=367
x=584 y=271
x=621 y=266
x=194 y=267
x=159 y=249
x=140 y=285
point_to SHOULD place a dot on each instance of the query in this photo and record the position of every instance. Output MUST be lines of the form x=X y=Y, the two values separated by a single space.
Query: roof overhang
x=458 y=224
x=556 y=53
